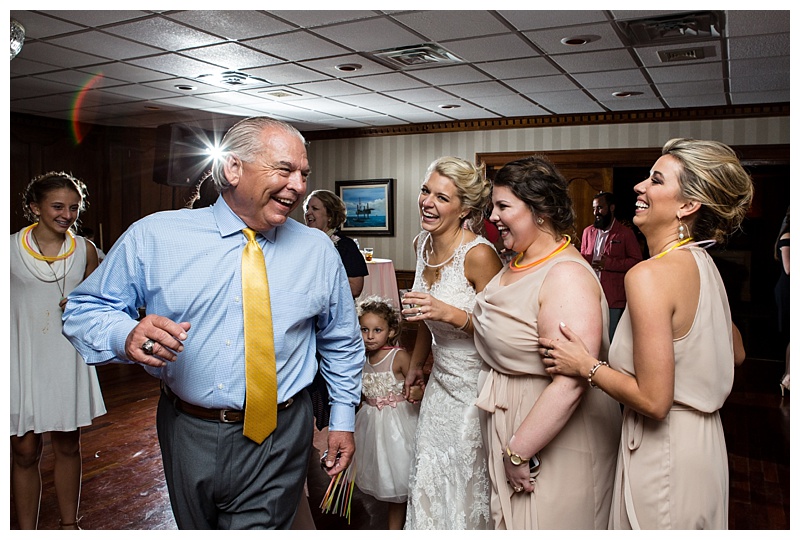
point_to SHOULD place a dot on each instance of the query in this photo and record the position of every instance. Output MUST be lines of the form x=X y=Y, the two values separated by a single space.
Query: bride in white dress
x=449 y=484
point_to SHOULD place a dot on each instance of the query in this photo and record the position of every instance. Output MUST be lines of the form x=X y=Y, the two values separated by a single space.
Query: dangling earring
x=681 y=229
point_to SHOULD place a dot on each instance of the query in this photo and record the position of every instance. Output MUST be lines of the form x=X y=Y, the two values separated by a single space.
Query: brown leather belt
x=226 y=416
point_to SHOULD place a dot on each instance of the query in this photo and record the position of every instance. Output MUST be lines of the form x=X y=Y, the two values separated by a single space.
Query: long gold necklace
x=515 y=267
x=679 y=244
x=61 y=288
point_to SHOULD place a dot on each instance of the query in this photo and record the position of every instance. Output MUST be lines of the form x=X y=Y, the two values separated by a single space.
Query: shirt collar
x=229 y=223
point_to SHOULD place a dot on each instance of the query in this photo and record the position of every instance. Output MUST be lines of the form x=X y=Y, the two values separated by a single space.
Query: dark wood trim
x=626 y=117
x=775 y=154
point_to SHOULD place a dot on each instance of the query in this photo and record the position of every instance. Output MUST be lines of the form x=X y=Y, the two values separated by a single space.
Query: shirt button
x=227 y=343
x=220 y=386
x=237 y=299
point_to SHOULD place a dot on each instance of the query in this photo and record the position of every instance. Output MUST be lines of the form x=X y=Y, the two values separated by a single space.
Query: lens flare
x=79 y=131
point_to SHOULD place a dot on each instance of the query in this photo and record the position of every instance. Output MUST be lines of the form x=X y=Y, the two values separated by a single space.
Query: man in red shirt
x=612 y=249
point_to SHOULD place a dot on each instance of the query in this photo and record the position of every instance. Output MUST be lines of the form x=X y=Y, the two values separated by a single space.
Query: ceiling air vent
x=281 y=92
x=686 y=55
x=233 y=79
x=415 y=56
x=684 y=27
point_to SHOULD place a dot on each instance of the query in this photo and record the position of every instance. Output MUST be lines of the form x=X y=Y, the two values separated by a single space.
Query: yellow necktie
x=261 y=393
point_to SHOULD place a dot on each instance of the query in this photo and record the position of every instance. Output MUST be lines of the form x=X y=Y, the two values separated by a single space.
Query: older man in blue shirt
x=185 y=267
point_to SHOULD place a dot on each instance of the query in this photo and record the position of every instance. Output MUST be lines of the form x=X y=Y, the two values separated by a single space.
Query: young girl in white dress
x=386 y=422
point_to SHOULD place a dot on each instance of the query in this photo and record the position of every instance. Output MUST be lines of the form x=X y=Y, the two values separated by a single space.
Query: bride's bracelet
x=466 y=323
x=592 y=372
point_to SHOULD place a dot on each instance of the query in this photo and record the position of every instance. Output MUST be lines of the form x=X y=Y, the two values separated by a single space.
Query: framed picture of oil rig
x=370 y=206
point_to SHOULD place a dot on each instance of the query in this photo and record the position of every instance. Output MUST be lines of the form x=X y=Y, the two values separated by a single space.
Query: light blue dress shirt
x=186 y=265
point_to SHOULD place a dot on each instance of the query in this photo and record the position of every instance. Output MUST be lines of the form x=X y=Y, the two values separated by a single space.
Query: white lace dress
x=449 y=484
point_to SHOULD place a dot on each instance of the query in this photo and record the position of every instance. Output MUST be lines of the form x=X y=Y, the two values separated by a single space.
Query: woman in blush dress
x=672 y=360
x=551 y=442
x=449 y=485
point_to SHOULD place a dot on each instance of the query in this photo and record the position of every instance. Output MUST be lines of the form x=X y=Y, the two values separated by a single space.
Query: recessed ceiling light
x=624 y=94
x=449 y=106
x=579 y=40
x=349 y=67
x=186 y=87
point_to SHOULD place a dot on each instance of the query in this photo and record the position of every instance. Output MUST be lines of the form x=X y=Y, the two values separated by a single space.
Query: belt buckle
x=223 y=417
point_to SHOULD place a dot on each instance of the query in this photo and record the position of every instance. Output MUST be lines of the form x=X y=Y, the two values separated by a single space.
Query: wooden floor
x=124 y=488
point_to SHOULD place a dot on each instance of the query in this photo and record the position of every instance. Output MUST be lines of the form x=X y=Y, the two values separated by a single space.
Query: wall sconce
x=17 y=37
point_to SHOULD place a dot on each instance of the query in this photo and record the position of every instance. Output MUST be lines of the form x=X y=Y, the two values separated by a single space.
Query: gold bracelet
x=592 y=371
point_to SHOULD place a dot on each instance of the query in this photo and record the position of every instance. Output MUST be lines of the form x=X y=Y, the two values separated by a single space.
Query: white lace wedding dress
x=449 y=484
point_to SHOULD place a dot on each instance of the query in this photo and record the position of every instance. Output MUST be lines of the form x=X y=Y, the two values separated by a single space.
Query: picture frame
x=370 y=206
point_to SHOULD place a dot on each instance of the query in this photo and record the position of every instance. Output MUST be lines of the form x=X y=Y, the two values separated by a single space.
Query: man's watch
x=515 y=458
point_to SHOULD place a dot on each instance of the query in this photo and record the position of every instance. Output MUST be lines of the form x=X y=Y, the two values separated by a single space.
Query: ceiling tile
x=32 y=87
x=420 y=95
x=332 y=88
x=97 y=17
x=595 y=61
x=760 y=46
x=125 y=72
x=176 y=64
x=470 y=90
x=386 y=81
x=79 y=79
x=230 y=24
x=553 y=83
x=516 y=69
x=532 y=20
x=296 y=46
x=693 y=88
x=172 y=84
x=759 y=66
x=287 y=74
x=762 y=83
x=39 y=26
x=39 y=51
x=443 y=25
x=490 y=48
x=450 y=75
x=777 y=96
x=511 y=105
x=706 y=100
x=632 y=104
x=549 y=40
x=164 y=33
x=328 y=65
x=686 y=72
x=140 y=91
x=103 y=44
x=610 y=79
x=311 y=18
x=369 y=35
x=23 y=66
x=231 y=56
x=751 y=22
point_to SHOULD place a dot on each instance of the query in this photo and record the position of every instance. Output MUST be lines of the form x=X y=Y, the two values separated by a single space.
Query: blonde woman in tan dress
x=673 y=356
x=526 y=413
